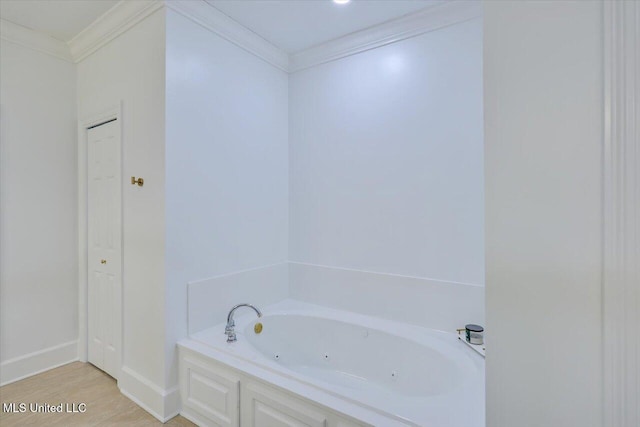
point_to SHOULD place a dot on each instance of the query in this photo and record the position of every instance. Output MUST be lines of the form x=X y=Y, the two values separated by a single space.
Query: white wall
x=386 y=159
x=386 y=181
x=131 y=69
x=38 y=204
x=227 y=169
x=543 y=109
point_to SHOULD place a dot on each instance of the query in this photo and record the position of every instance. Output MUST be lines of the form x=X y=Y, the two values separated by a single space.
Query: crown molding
x=429 y=19
x=621 y=272
x=110 y=25
x=127 y=14
x=33 y=40
x=207 y=16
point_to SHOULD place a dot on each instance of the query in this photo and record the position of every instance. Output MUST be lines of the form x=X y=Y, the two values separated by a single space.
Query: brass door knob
x=103 y=261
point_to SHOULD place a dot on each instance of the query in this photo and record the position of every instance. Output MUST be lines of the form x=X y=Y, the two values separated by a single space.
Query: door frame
x=621 y=232
x=110 y=113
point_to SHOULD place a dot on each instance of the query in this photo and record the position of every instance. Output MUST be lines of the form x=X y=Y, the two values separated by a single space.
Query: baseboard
x=193 y=417
x=162 y=404
x=21 y=367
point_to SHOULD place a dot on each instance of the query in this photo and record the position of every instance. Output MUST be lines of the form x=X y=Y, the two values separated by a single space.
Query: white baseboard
x=193 y=417
x=39 y=361
x=162 y=404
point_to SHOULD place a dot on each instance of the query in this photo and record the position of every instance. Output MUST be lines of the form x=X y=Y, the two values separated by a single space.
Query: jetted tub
x=397 y=373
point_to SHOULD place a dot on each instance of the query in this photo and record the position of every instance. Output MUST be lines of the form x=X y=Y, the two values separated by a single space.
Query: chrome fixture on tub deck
x=229 y=330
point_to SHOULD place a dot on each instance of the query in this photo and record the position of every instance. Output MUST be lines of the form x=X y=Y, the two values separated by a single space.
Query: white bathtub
x=389 y=370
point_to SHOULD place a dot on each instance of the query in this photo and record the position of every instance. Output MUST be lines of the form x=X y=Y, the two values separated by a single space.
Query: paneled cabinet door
x=264 y=406
x=211 y=392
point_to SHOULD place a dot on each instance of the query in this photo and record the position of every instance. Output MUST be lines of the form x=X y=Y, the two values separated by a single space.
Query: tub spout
x=229 y=330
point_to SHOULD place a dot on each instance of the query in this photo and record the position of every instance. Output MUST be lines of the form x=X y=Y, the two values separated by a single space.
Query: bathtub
x=378 y=371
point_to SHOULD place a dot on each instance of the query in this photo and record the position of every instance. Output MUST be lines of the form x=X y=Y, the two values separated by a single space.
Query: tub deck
x=362 y=398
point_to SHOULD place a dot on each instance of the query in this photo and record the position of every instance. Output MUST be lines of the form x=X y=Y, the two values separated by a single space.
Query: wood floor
x=76 y=383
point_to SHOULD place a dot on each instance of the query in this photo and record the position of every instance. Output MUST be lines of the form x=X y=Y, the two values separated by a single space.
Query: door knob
x=103 y=261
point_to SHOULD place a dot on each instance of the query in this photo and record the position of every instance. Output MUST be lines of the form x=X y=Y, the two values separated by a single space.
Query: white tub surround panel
x=38 y=199
x=211 y=299
x=543 y=162
x=386 y=159
x=130 y=71
x=226 y=172
x=430 y=303
x=622 y=214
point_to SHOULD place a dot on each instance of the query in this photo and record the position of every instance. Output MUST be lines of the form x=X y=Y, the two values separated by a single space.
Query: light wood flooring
x=76 y=383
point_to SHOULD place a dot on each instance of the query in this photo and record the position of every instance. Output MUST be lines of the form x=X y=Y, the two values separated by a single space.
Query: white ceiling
x=60 y=19
x=291 y=25
x=295 y=25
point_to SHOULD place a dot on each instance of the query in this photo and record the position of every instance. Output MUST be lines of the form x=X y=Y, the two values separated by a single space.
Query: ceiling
x=60 y=19
x=291 y=25
x=295 y=25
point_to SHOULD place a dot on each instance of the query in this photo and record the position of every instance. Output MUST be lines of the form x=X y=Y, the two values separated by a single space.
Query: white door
x=104 y=246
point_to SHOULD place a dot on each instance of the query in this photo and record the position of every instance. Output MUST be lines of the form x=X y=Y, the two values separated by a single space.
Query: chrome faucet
x=229 y=330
